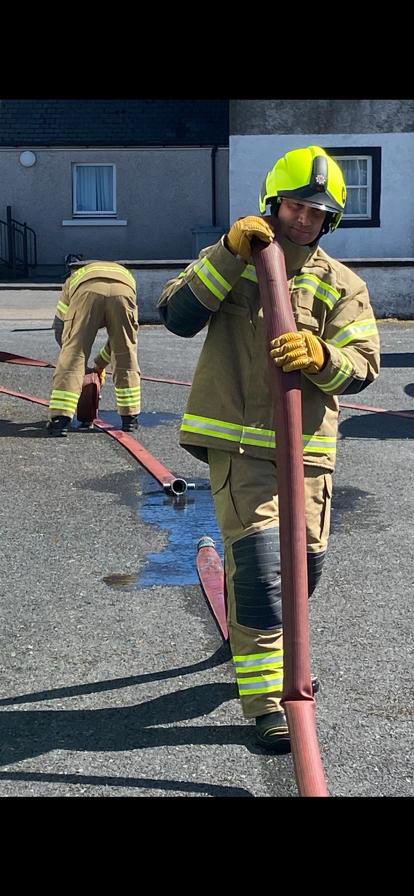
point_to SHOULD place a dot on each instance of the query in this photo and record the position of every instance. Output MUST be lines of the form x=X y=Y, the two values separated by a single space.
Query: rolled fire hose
x=297 y=698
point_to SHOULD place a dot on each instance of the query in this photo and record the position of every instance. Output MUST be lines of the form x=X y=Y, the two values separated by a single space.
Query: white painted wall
x=252 y=156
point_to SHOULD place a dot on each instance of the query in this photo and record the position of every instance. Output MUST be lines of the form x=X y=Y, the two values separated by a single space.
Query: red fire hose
x=172 y=484
x=11 y=358
x=297 y=697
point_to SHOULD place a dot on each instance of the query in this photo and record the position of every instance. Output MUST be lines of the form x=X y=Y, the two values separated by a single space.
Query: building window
x=361 y=167
x=94 y=190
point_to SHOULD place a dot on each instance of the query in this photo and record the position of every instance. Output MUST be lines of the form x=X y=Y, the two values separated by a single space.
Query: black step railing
x=18 y=248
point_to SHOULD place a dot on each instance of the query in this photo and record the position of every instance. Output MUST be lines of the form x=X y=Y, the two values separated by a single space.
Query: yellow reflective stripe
x=217 y=275
x=62 y=307
x=212 y=279
x=263 y=438
x=62 y=406
x=244 y=658
x=275 y=664
x=60 y=393
x=105 y=355
x=315 y=448
x=250 y=273
x=316 y=281
x=322 y=290
x=210 y=427
x=127 y=391
x=259 y=679
x=319 y=444
x=99 y=269
x=259 y=662
x=360 y=330
x=243 y=692
x=259 y=685
x=344 y=373
x=125 y=397
x=64 y=400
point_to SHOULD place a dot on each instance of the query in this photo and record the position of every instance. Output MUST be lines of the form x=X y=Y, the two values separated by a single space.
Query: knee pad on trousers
x=315 y=565
x=256 y=581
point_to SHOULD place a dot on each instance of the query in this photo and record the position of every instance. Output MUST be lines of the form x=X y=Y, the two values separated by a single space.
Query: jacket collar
x=295 y=256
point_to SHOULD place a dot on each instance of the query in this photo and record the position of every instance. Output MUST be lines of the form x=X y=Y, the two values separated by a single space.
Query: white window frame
x=359 y=158
x=93 y=214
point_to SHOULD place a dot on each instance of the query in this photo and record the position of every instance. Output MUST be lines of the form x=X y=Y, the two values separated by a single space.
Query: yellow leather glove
x=299 y=351
x=243 y=231
x=101 y=373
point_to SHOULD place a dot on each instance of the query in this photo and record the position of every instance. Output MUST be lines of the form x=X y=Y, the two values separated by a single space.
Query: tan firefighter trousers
x=96 y=304
x=245 y=496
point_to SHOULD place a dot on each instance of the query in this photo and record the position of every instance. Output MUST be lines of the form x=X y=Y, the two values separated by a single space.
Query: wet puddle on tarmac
x=146 y=419
x=185 y=519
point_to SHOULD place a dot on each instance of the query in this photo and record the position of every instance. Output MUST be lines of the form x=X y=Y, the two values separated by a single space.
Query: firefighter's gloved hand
x=299 y=351
x=243 y=231
x=101 y=373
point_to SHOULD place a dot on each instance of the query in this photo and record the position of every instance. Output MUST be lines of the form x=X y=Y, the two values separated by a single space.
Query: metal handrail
x=18 y=245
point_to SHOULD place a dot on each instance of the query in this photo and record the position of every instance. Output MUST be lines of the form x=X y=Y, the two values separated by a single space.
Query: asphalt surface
x=115 y=681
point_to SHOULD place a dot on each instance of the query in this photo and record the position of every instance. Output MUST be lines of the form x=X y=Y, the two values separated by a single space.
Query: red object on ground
x=297 y=699
x=369 y=407
x=211 y=575
x=11 y=358
x=88 y=403
x=154 y=466
x=157 y=469
x=157 y=379
x=24 y=396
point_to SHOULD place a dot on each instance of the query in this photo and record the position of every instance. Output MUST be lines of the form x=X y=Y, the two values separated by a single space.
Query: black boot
x=129 y=422
x=58 y=426
x=272 y=732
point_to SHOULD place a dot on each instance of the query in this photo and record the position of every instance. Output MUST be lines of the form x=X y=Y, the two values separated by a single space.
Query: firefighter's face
x=299 y=221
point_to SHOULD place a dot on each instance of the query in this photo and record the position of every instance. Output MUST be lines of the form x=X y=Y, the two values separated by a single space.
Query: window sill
x=94 y=222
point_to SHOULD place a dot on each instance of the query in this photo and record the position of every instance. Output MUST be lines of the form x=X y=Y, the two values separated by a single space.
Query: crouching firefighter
x=99 y=294
x=228 y=420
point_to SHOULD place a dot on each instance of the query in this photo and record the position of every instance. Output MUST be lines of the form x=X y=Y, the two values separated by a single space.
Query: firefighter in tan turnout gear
x=99 y=294
x=229 y=417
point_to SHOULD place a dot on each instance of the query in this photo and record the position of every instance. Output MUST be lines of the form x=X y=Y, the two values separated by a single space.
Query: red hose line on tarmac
x=157 y=379
x=162 y=474
x=211 y=575
x=297 y=699
x=25 y=397
x=209 y=566
x=10 y=358
x=368 y=407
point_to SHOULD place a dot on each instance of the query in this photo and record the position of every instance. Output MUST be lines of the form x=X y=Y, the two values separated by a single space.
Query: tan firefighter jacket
x=96 y=270
x=230 y=404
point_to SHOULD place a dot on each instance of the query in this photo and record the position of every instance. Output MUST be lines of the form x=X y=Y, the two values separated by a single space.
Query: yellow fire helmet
x=307 y=175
